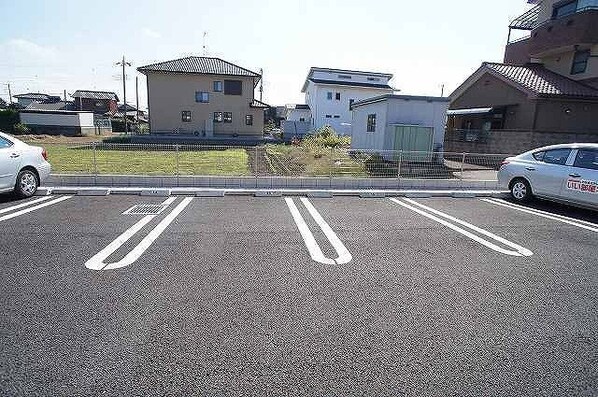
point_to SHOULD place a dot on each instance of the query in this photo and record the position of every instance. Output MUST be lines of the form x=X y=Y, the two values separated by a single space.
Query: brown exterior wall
x=517 y=52
x=489 y=91
x=567 y=116
x=512 y=142
x=95 y=105
x=580 y=28
x=170 y=94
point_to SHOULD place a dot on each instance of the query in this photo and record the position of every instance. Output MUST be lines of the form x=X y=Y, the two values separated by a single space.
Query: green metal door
x=413 y=138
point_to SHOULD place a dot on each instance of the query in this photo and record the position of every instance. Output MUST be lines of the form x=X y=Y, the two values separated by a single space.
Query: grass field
x=80 y=159
x=303 y=161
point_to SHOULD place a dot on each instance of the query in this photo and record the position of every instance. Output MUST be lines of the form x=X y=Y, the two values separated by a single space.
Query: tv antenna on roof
x=205 y=33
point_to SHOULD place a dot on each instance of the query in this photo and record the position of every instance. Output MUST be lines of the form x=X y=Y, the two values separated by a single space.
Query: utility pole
x=9 y=94
x=124 y=64
x=261 y=83
x=137 y=100
x=204 y=43
x=64 y=97
x=442 y=90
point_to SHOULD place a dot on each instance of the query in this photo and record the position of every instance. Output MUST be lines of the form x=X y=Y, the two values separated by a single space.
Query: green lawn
x=79 y=159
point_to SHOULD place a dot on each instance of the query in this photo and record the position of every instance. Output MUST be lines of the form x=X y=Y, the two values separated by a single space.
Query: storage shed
x=399 y=122
x=59 y=122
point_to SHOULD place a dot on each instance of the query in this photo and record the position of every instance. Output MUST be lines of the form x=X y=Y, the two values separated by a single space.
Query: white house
x=298 y=112
x=399 y=122
x=329 y=94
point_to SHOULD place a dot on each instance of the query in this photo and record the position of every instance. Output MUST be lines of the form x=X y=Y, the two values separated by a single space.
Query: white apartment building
x=329 y=94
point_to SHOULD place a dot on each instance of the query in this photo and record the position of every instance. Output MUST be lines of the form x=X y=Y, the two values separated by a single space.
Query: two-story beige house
x=206 y=97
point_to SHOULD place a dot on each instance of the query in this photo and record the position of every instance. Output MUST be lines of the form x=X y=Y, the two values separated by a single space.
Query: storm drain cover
x=145 y=209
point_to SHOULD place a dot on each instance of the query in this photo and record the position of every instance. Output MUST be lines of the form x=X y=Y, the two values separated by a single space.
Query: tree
x=3 y=104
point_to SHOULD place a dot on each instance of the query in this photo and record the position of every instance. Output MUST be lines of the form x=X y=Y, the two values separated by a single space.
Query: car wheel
x=27 y=183
x=521 y=190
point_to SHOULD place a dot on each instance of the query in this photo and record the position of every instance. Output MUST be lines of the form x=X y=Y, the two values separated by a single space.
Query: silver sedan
x=566 y=173
x=22 y=167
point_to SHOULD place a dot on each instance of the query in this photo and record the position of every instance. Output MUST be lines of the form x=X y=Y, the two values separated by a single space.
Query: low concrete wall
x=266 y=182
x=511 y=142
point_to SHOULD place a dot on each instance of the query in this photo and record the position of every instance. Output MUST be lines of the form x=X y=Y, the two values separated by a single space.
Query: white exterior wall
x=360 y=138
x=75 y=119
x=317 y=99
x=393 y=111
x=298 y=114
x=420 y=112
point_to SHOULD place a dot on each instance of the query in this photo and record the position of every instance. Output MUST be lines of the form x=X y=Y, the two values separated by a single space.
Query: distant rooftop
x=198 y=65
x=88 y=94
x=35 y=96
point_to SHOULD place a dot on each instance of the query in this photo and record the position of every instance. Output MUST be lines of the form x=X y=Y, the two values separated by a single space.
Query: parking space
x=339 y=296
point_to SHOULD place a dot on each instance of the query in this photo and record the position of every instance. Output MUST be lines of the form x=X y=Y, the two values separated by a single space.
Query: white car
x=22 y=167
x=566 y=173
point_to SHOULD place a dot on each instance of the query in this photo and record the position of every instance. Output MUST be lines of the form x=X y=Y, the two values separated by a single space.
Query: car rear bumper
x=44 y=170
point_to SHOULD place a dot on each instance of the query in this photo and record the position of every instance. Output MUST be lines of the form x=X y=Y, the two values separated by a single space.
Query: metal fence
x=267 y=161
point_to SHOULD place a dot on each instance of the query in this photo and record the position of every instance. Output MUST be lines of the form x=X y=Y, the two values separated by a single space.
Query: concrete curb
x=328 y=193
x=265 y=182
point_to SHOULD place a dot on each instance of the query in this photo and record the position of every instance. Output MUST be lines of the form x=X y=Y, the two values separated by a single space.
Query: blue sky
x=49 y=46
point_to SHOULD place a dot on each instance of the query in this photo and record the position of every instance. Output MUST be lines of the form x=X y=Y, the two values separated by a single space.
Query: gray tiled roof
x=95 y=94
x=199 y=65
x=541 y=81
x=51 y=106
x=33 y=95
x=257 y=104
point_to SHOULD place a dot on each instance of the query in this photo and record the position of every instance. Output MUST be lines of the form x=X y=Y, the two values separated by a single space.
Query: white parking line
x=26 y=204
x=428 y=213
x=97 y=261
x=344 y=256
x=555 y=217
x=30 y=209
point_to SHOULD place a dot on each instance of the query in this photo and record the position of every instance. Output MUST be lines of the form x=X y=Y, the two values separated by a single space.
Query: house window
x=218 y=117
x=336 y=116
x=344 y=76
x=351 y=103
x=249 y=119
x=202 y=96
x=301 y=118
x=233 y=87
x=228 y=117
x=329 y=96
x=580 y=61
x=373 y=79
x=328 y=116
x=338 y=96
x=186 y=116
x=371 y=123
x=217 y=86
x=563 y=9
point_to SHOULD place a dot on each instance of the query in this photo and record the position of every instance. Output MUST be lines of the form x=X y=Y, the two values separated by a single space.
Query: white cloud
x=151 y=33
x=25 y=50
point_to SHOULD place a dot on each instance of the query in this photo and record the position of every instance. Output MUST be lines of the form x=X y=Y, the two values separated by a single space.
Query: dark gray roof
x=33 y=95
x=95 y=94
x=257 y=104
x=540 y=81
x=50 y=106
x=352 y=84
x=318 y=69
x=302 y=106
x=198 y=65
x=385 y=97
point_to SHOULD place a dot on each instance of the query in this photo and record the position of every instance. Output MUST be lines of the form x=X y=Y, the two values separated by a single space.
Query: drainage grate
x=145 y=209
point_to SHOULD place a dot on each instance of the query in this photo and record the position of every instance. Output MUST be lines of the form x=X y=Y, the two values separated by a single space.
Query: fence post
x=95 y=165
x=256 y=165
x=177 y=169
x=399 y=167
x=462 y=164
x=331 y=166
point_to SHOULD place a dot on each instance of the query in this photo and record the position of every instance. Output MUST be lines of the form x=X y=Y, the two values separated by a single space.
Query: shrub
x=20 y=129
x=325 y=137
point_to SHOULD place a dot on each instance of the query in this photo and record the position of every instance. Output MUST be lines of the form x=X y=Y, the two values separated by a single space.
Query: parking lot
x=294 y=296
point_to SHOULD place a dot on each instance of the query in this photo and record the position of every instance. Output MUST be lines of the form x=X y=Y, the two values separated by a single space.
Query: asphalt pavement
x=288 y=296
